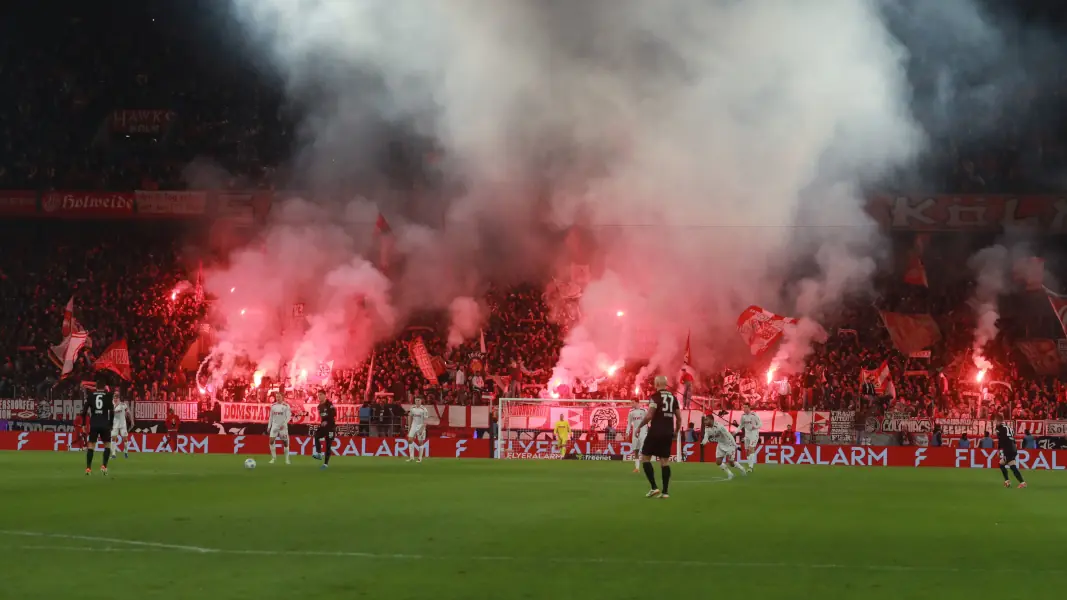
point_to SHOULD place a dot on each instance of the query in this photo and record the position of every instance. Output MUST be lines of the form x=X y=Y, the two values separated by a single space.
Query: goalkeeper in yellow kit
x=563 y=435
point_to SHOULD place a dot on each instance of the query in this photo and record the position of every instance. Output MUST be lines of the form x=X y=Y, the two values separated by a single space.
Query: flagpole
x=370 y=376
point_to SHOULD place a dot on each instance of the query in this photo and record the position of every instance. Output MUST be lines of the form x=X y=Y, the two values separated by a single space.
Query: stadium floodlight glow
x=620 y=314
x=233 y=289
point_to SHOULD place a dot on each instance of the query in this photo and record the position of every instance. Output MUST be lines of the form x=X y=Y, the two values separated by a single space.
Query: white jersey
x=718 y=433
x=751 y=425
x=418 y=417
x=122 y=410
x=280 y=414
x=636 y=415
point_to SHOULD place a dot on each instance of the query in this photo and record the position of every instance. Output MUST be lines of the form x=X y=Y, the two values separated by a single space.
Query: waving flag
x=384 y=235
x=66 y=353
x=1059 y=306
x=911 y=333
x=881 y=378
x=421 y=357
x=761 y=328
x=117 y=359
x=70 y=324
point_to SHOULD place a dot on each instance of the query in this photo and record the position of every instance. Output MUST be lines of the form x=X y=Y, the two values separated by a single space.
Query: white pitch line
x=89 y=538
x=143 y=546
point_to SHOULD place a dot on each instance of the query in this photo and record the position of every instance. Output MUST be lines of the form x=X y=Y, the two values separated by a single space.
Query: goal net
x=598 y=429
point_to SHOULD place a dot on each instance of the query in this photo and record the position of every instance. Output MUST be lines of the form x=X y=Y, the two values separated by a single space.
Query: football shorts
x=279 y=432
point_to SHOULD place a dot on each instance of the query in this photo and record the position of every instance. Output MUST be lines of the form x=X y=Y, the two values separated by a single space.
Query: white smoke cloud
x=466 y=320
x=704 y=145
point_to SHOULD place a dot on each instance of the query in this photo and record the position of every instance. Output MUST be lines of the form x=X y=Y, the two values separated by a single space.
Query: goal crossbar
x=598 y=428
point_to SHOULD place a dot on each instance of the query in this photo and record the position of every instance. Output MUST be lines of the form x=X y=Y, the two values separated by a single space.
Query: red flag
x=911 y=333
x=117 y=359
x=1043 y=355
x=1030 y=272
x=384 y=233
x=687 y=370
x=200 y=282
x=761 y=328
x=70 y=324
x=1059 y=306
x=881 y=378
x=915 y=272
x=421 y=356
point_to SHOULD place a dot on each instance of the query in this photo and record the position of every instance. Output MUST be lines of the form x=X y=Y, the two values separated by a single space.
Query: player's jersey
x=418 y=417
x=121 y=414
x=718 y=433
x=563 y=429
x=751 y=424
x=280 y=414
x=666 y=408
x=1006 y=438
x=100 y=406
x=636 y=415
x=327 y=415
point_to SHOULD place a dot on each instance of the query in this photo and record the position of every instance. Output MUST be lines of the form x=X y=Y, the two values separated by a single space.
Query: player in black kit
x=664 y=422
x=1008 y=454
x=327 y=428
x=98 y=410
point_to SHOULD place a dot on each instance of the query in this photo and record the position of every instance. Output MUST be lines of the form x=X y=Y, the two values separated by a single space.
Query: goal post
x=598 y=429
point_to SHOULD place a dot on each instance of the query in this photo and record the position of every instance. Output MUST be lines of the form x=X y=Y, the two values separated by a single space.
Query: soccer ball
x=250 y=463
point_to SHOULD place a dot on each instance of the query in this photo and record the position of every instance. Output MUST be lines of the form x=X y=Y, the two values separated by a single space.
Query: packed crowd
x=215 y=124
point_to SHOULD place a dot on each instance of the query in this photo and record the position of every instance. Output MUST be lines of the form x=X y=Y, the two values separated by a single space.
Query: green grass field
x=180 y=526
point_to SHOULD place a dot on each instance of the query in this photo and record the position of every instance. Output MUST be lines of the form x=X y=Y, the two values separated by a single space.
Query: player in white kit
x=636 y=432
x=726 y=447
x=278 y=425
x=417 y=430
x=119 y=430
x=750 y=425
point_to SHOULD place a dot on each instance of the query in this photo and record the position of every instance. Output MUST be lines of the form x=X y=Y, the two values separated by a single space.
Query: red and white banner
x=150 y=121
x=969 y=213
x=18 y=202
x=88 y=204
x=116 y=359
x=1043 y=355
x=239 y=412
x=880 y=377
x=18 y=408
x=170 y=204
x=421 y=357
x=252 y=444
x=65 y=410
x=761 y=328
x=911 y=333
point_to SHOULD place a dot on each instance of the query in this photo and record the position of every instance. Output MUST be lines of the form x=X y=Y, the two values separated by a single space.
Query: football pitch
x=185 y=526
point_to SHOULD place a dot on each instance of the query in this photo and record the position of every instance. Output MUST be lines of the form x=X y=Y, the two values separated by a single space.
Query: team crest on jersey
x=603 y=417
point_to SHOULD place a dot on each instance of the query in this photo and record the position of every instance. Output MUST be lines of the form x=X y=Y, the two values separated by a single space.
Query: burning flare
x=770 y=373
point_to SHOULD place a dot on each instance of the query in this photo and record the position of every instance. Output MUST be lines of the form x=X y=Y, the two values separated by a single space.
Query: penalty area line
x=139 y=546
x=106 y=540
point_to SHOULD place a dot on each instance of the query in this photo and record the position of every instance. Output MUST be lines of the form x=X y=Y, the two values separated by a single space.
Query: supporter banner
x=542 y=416
x=236 y=412
x=18 y=202
x=42 y=425
x=911 y=333
x=1043 y=355
x=969 y=213
x=170 y=204
x=843 y=426
x=920 y=354
x=88 y=204
x=153 y=121
x=253 y=444
x=67 y=409
x=1056 y=428
x=18 y=409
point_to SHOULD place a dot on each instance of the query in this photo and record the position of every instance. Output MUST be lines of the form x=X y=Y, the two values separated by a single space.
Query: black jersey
x=1006 y=438
x=327 y=415
x=666 y=409
x=100 y=409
